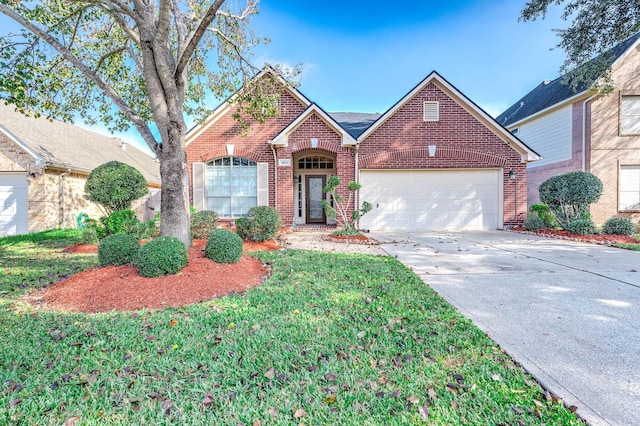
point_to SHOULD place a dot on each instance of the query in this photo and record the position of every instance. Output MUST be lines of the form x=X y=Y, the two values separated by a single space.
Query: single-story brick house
x=433 y=161
x=44 y=165
x=578 y=128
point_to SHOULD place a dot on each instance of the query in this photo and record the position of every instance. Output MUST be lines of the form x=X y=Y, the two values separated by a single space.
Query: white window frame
x=629 y=187
x=629 y=115
x=208 y=189
x=428 y=110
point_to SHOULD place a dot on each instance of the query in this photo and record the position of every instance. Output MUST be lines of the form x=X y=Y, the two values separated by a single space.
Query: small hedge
x=89 y=236
x=118 y=249
x=162 y=256
x=619 y=226
x=262 y=223
x=582 y=227
x=120 y=222
x=534 y=223
x=544 y=213
x=203 y=223
x=224 y=246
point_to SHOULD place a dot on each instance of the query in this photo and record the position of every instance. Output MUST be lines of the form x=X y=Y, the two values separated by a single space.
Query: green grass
x=629 y=246
x=349 y=339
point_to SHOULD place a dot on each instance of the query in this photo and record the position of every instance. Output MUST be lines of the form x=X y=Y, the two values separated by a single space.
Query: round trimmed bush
x=619 y=226
x=569 y=196
x=118 y=249
x=582 y=227
x=262 y=223
x=534 y=223
x=203 y=223
x=115 y=186
x=162 y=256
x=224 y=246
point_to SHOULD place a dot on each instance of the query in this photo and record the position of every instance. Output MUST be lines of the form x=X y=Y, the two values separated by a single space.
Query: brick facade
x=463 y=141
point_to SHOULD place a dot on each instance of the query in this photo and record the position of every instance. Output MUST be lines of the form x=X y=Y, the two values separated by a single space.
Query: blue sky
x=363 y=56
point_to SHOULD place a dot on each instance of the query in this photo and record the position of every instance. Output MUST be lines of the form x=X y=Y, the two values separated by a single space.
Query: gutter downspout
x=356 y=178
x=275 y=174
x=584 y=132
x=61 y=197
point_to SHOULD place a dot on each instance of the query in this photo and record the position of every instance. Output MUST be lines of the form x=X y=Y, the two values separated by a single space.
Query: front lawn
x=329 y=339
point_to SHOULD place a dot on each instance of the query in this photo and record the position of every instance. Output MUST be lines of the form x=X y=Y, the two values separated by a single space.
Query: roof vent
x=124 y=146
x=431 y=111
x=547 y=82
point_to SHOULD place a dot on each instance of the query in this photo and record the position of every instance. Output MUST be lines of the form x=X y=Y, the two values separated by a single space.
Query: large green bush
x=619 y=226
x=115 y=185
x=224 y=246
x=534 y=223
x=262 y=223
x=203 y=223
x=162 y=256
x=569 y=196
x=582 y=227
x=118 y=249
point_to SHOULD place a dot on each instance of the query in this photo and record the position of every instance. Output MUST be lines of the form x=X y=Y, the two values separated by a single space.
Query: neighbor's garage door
x=431 y=200
x=13 y=204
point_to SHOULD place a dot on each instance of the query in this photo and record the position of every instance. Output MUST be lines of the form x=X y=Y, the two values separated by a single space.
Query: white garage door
x=13 y=204
x=419 y=200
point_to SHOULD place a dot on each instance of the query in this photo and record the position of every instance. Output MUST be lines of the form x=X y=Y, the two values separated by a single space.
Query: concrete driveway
x=568 y=312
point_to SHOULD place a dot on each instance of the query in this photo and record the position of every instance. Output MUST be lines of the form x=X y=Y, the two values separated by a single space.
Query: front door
x=313 y=190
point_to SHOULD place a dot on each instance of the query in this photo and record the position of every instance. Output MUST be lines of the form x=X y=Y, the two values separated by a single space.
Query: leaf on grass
x=380 y=394
x=433 y=395
x=459 y=378
x=273 y=413
x=313 y=368
x=358 y=407
x=127 y=356
x=71 y=421
x=15 y=402
x=573 y=408
x=257 y=423
x=166 y=406
x=538 y=403
x=208 y=400
x=423 y=411
x=496 y=377
x=330 y=377
x=516 y=410
x=271 y=373
x=454 y=405
x=330 y=399
x=173 y=323
x=413 y=399
x=299 y=413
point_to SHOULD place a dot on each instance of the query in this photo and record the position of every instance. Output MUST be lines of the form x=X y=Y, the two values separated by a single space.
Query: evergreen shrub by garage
x=262 y=223
x=534 y=223
x=619 y=226
x=582 y=227
x=224 y=246
x=118 y=249
x=203 y=223
x=162 y=256
x=569 y=196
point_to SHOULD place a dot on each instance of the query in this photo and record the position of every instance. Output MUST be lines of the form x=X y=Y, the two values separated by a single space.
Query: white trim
x=40 y=162
x=547 y=110
x=282 y=138
x=431 y=111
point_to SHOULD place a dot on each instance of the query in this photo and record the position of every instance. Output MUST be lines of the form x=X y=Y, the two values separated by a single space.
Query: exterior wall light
x=512 y=175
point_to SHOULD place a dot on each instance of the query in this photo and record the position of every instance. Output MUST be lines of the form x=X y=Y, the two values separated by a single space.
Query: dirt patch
x=121 y=288
x=350 y=239
x=597 y=239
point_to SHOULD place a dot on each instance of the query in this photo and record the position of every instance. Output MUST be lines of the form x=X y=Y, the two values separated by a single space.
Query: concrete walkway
x=569 y=312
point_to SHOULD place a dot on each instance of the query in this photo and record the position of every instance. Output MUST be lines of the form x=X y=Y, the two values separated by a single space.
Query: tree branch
x=138 y=122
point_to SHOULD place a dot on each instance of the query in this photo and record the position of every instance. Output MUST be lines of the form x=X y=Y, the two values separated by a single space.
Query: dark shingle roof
x=549 y=93
x=355 y=123
x=64 y=145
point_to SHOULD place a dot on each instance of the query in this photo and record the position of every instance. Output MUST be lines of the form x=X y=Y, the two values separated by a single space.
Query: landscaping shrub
x=569 y=195
x=114 y=185
x=339 y=209
x=582 y=227
x=619 y=226
x=203 y=223
x=162 y=256
x=118 y=249
x=534 y=223
x=543 y=212
x=262 y=223
x=89 y=236
x=224 y=246
x=120 y=222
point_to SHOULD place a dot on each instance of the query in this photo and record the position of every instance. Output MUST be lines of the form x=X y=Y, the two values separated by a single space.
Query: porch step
x=314 y=227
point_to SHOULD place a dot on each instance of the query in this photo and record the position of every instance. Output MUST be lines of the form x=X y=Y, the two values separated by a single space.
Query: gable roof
x=554 y=92
x=225 y=106
x=355 y=122
x=61 y=145
x=527 y=154
x=281 y=139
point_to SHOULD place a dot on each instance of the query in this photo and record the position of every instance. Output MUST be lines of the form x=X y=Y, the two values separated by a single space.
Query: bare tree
x=140 y=62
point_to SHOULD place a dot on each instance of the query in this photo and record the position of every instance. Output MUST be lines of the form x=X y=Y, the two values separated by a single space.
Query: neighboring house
x=434 y=161
x=580 y=130
x=44 y=165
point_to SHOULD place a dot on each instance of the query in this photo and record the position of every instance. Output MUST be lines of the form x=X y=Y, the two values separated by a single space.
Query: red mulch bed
x=121 y=288
x=599 y=239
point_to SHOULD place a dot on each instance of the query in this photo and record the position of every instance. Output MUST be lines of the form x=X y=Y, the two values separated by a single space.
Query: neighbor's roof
x=549 y=93
x=63 y=145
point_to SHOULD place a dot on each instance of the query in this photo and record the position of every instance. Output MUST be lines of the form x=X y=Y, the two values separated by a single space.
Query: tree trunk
x=175 y=186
